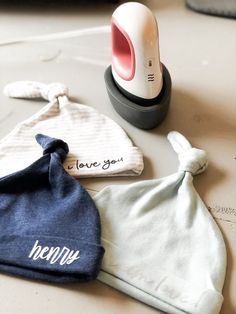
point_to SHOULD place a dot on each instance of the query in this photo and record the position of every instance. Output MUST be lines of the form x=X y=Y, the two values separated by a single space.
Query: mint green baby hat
x=162 y=246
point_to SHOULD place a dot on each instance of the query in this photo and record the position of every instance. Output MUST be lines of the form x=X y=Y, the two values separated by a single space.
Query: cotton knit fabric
x=162 y=245
x=98 y=146
x=49 y=226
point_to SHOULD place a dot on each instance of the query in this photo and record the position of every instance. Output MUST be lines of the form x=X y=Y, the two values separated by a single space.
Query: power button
x=149 y=63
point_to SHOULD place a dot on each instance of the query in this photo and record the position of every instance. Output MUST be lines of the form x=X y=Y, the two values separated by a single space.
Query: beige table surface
x=200 y=53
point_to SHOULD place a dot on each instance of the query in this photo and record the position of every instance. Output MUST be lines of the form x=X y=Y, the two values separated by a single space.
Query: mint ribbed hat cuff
x=169 y=293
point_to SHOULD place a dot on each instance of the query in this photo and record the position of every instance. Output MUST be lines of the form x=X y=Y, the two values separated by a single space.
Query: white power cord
x=60 y=35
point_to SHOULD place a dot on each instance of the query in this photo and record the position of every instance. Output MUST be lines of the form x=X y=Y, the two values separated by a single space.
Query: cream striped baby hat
x=98 y=146
x=162 y=246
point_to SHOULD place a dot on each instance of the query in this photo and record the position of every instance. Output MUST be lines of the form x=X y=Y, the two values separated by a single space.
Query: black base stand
x=142 y=116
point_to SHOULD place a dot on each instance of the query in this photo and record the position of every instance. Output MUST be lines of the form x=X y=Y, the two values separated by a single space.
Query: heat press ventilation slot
x=151 y=77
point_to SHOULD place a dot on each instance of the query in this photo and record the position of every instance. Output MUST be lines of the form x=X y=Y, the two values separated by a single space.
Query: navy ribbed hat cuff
x=50 y=258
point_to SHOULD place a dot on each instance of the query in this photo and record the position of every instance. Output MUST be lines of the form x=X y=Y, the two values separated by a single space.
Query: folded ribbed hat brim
x=225 y=8
x=168 y=294
x=52 y=259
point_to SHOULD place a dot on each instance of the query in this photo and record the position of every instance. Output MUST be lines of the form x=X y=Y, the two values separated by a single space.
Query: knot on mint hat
x=191 y=159
x=99 y=147
x=49 y=225
x=162 y=245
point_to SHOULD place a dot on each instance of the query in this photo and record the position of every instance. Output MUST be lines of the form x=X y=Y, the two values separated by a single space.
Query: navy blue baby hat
x=49 y=226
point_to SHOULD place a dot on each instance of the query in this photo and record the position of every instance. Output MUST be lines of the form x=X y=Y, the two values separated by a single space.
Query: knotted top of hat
x=98 y=146
x=52 y=146
x=162 y=245
x=191 y=159
x=49 y=225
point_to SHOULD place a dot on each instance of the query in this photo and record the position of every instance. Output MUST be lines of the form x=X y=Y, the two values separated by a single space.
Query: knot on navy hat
x=193 y=160
x=53 y=145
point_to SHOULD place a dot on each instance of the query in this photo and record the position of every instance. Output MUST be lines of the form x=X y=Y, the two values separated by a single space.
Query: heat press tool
x=138 y=84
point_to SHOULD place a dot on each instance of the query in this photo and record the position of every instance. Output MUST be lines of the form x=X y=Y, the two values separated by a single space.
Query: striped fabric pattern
x=98 y=146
